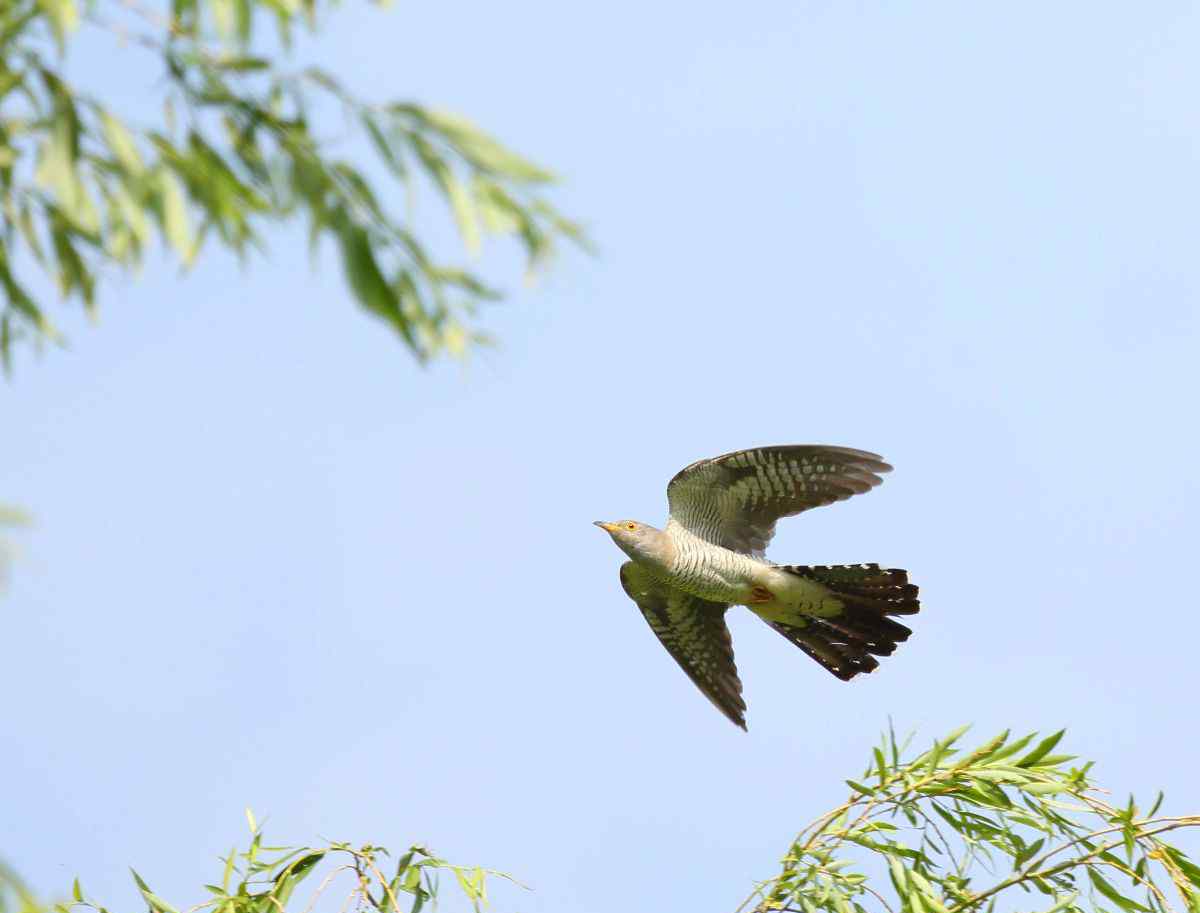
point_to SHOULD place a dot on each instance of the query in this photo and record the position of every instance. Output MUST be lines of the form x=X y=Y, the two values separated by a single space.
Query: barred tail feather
x=847 y=644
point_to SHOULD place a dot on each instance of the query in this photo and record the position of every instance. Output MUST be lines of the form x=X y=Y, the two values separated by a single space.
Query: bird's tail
x=847 y=643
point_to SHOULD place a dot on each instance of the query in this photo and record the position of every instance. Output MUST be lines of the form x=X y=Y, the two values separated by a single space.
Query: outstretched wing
x=693 y=631
x=734 y=500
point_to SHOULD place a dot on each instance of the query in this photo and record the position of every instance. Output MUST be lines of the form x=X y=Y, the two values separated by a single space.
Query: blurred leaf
x=452 y=188
x=122 y=144
x=244 y=64
x=483 y=151
x=63 y=15
x=175 y=221
x=384 y=146
x=14 y=516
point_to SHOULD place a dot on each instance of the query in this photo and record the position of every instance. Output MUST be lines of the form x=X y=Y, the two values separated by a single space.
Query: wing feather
x=693 y=631
x=734 y=500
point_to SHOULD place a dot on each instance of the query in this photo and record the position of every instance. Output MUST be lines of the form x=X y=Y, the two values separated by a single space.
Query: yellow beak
x=607 y=527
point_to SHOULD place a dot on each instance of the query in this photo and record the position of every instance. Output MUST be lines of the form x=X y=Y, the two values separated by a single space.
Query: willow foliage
x=243 y=142
x=1009 y=825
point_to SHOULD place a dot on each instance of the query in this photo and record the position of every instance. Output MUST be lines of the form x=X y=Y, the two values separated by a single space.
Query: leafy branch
x=243 y=144
x=265 y=879
x=953 y=833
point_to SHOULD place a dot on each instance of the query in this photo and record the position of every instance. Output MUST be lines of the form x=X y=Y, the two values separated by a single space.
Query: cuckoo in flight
x=710 y=556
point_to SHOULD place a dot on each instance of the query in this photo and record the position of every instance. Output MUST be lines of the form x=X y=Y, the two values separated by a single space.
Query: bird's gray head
x=639 y=541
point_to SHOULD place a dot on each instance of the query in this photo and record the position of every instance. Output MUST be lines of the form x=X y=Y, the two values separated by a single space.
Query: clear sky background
x=278 y=565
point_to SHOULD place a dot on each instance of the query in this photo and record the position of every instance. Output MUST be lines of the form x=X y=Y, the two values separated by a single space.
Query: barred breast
x=709 y=571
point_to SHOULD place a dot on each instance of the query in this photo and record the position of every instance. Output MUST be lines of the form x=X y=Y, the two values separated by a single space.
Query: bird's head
x=637 y=540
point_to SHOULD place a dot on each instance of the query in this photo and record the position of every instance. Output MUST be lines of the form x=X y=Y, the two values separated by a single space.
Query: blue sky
x=278 y=565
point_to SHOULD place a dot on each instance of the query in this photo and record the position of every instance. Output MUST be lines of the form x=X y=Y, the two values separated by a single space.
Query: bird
x=711 y=555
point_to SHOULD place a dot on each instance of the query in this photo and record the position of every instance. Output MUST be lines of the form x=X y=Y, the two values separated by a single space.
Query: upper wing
x=734 y=500
x=693 y=631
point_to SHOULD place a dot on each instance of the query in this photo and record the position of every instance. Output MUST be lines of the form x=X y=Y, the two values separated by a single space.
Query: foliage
x=9 y=517
x=264 y=879
x=15 y=897
x=951 y=832
x=939 y=832
x=242 y=143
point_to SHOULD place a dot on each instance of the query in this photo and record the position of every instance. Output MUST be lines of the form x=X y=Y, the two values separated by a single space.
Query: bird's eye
x=631 y=526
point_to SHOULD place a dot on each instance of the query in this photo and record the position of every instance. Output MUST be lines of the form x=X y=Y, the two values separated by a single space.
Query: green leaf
x=1063 y=901
x=293 y=7
x=933 y=757
x=243 y=64
x=880 y=766
x=1158 y=801
x=20 y=301
x=156 y=903
x=1028 y=853
x=73 y=273
x=1012 y=748
x=121 y=142
x=858 y=787
x=224 y=17
x=1045 y=789
x=77 y=891
x=301 y=867
x=1127 y=836
x=982 y=752
x=501 y=214
x=29 y=233
x=367 y=280
x=1043 y=748
x=412 y=879
x=176 y=225
x=63 y=16
x=1053 y=760
x=384 y=147
x=464 y=212
x=955 y=735
x=9 y=80
x=1114 y=895
x=452 y=188
x=57 y=170
x=467 y=281
x=899 y=874
x=229 y=861
x=133 y=215
x=483 y=151
x=295 y=872
x=958 y=824
x=1190 y=870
